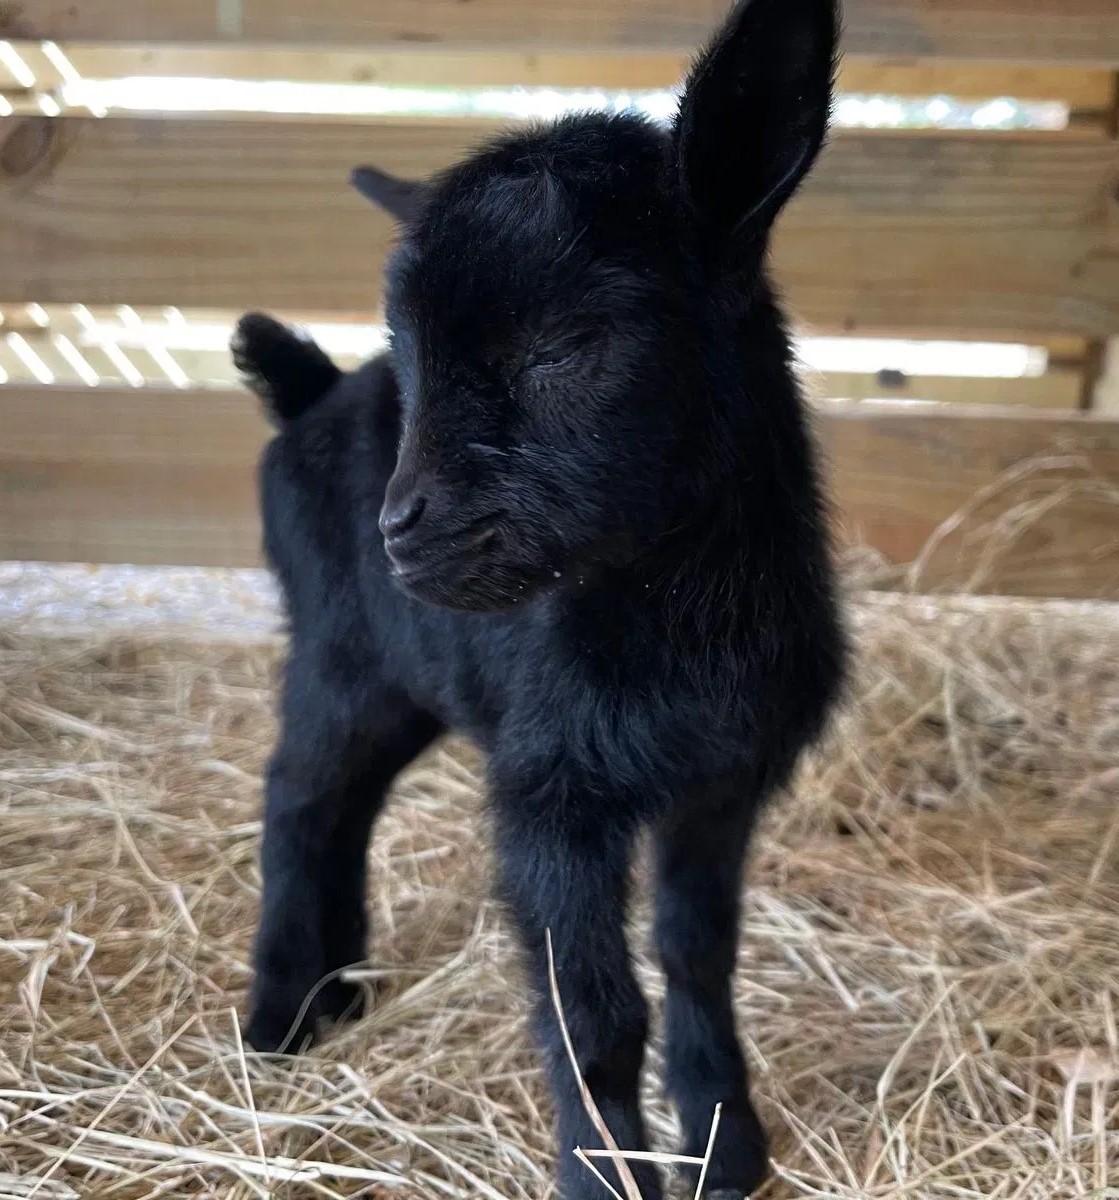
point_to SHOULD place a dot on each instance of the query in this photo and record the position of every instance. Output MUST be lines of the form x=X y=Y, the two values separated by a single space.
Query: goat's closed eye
x=563 y=353
x=551 y=362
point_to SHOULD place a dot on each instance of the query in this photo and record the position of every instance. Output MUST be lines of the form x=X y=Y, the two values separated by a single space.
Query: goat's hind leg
x=326 y=784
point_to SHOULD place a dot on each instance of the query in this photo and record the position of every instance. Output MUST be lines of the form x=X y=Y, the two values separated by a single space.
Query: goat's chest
x=639 y=724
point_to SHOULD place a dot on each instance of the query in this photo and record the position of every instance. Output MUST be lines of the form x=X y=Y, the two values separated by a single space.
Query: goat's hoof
x=339 y=1001
x=280 y=1022
x=273 y=1032
x=738 y=1163
x=734 y=1180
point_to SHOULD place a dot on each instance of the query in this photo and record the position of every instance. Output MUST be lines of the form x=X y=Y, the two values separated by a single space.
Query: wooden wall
x=1080 y=32
x=930 y=234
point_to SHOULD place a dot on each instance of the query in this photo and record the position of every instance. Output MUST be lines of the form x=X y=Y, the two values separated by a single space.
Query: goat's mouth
x=412 y=563
x=472 y=570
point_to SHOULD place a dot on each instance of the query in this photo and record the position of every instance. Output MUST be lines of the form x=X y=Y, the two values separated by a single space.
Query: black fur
x=289 y=373
x=604 y=558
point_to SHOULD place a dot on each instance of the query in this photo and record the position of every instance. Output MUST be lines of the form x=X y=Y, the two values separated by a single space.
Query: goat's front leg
x=699 y=885
x=326 y=784
x=568 y=873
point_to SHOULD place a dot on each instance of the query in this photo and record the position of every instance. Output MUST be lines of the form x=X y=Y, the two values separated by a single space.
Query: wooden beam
x=1105 y=391
x=1082 y=89
x=153 y=476
x=421 y=66
x=935 y=232
x=135 y=476
x=1041 y=494
x=1081 y=32
x=1018 y=232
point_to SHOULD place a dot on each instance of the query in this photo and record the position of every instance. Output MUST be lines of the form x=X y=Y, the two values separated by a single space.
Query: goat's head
x=561 y=305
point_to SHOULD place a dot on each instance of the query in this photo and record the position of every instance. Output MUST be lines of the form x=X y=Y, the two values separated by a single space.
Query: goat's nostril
x=397 y=519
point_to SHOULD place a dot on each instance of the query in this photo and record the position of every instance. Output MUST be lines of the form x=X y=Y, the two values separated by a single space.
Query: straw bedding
x=929 y=984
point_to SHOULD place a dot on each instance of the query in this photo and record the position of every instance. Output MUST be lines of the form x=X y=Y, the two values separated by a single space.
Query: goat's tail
x=289 y=371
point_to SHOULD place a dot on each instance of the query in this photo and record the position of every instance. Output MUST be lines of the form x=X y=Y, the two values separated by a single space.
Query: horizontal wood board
x=937 y=232
x=1038 y=31
x=154 y=476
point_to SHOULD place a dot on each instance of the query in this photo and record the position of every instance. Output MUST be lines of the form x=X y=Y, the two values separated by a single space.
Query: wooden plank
x=935 y=232
x=900 y=477
x=154 y=476
x=114 y=428
x=1029 y=31
x=150 y=476
x=1082 y=89
x=421 y=66
x=1105 y=389
x=1018 y=233
x=1055 y=390
x=128 y=513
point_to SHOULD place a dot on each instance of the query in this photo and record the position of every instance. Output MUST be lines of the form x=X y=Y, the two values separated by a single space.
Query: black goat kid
x=575 y=514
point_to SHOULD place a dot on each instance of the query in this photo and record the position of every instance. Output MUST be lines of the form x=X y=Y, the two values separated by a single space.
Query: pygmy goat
x=573 y=512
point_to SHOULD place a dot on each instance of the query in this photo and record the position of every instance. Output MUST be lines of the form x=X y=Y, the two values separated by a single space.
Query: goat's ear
x=754 y=113
x=402 y=199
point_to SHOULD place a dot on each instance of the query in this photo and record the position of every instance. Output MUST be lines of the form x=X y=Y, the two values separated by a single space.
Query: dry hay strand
x=928 y=983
